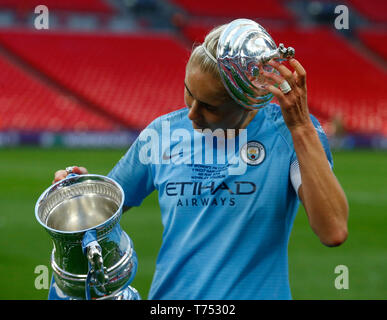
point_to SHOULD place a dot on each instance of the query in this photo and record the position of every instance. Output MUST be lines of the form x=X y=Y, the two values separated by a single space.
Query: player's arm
x=320 y=192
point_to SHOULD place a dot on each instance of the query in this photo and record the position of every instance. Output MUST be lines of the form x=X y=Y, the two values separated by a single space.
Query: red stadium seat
x=96 y=6
x=26 y=104
x=376 y=40
x=196 y=32
x=127 y=78
x=340 y=80
x=135 y=78
x=374 y=10
x=268 y=9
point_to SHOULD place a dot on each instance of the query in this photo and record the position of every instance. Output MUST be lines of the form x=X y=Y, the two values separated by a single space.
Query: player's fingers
x=84 y=170
x=284 y=71
x=80 y=170
x=62 y=174
x=59 y=175
x=277 y=93
x=300 y=72
x=275 y=78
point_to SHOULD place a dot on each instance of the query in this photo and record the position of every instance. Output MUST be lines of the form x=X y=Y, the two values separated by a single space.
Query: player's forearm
x=322 y=196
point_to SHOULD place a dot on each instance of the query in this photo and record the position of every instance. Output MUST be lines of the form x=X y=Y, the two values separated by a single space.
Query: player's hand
x=61 y=174
x=294 y=104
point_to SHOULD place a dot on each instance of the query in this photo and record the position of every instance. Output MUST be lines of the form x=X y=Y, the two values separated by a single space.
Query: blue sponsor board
x=123 y=139
x=120 y=139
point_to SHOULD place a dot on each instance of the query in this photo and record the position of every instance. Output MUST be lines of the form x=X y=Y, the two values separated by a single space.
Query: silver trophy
x=243 y=48
x=92 y=257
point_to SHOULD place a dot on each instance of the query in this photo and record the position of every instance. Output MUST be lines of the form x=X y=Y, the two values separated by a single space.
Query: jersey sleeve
x=295 y=175
x=134 y=176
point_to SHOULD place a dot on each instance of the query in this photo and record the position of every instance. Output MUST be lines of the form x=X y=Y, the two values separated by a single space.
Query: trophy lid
x=243 y=48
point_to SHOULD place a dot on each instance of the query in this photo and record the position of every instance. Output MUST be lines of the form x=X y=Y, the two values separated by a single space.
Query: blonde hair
x=200 y=58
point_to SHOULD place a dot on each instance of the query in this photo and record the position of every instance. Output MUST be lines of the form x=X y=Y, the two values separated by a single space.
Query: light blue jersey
x=225 y=235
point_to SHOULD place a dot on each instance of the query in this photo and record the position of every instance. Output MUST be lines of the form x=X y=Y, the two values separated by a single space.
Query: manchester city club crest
x=253 y=153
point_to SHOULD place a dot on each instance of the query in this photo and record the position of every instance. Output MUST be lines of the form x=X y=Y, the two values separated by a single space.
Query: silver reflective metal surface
x=79 y=203
x=81 y=213
x=244 y=48
x=69 y=210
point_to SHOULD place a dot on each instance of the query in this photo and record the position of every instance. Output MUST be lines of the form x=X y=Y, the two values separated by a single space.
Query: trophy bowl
x=244 y=48
x=92 y=258
x=80 y=203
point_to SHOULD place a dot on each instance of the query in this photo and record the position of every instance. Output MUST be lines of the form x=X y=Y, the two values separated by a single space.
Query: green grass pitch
x=26 y=172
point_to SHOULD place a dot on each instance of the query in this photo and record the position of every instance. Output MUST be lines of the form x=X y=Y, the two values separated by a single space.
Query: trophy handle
x=96 y=275
x=281 y=53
